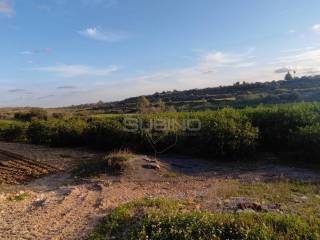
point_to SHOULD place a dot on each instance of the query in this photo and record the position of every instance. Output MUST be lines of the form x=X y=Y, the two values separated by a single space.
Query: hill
x=239 y=95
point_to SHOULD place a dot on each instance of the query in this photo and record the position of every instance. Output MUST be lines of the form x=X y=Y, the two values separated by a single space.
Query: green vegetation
x=170 y=175
x=113 y=163
x=33 y=114
x=116 y=161
x=224 y=133
x=170 y=219
x=18 y=197
x=12 y=130
x=143 y=104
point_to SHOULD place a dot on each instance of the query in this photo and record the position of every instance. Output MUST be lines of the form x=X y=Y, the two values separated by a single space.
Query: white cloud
x=97 y=33
x=214 y=60
x=6 y=8
x=77 y=70
x=305 y=62
x=316 y=28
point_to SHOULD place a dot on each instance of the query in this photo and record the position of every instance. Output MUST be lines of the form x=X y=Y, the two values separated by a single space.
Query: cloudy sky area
x=63 y=52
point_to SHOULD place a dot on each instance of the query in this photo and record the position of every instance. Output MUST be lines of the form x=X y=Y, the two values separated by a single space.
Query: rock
x=304 y=198
x=254 y=206
x=149 y=160
x=39 y=202
x=155 y=166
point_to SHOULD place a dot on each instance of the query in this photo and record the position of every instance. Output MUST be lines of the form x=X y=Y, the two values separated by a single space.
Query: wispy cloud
x=66 y=87
x=296 y=50
x=37 y=51
x=99 y=34
x=215 y=60
x=283 y=70
x=316 y=28
x=17 y=90
x=6 y=8
x=77 y=70
x=105 y=3
x=305 y=62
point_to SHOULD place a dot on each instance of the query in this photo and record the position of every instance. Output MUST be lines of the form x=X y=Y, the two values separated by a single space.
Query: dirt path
x=61 y=207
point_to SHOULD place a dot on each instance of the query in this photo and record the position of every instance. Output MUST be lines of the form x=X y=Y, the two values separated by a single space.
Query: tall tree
x=161 y=105
x=143 y=104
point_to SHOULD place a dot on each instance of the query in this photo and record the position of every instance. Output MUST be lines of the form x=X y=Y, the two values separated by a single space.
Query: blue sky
x=62 y=52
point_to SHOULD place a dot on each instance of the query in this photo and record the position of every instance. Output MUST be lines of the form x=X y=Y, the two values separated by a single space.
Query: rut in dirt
x=17 y=169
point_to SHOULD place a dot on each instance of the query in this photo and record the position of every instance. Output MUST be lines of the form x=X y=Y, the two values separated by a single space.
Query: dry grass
x=116 y=160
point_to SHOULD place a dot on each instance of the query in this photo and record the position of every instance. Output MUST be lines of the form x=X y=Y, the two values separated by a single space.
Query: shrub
x=13 y=132
x=307 y=142
x=115 y=161
x=39 y=132
x=224 y=133
x=33 y=114
x=277 y=123
x=67 y=133
x=105 y=134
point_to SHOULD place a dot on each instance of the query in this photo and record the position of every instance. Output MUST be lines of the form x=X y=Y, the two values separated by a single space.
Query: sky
x=63 y=52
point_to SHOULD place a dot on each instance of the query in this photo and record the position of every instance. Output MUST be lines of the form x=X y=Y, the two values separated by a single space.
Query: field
x=80 y=177
x=67 y=205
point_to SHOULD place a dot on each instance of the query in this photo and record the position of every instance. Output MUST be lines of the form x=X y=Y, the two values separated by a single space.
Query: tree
x=143 y=104
x=161 y=105
x=171 y=109
x=288 y=77
x=34 y=113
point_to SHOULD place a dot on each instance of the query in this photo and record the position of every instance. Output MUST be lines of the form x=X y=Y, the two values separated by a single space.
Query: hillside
x=239 y=95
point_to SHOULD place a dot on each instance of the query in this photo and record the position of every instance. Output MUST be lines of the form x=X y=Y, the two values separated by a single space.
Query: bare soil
x=57 y=205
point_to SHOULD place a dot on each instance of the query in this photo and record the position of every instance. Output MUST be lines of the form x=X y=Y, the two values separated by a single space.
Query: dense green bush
x=67 y=133
x=105 y=134
x=277 y=123
x=164 y=219
x=39 y=132
x=33 y=114
x=223 y=133
x=13 y=132
x=306 y=141
x=57 y=133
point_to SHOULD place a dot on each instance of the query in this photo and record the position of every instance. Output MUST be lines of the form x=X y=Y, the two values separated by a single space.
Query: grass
x=170 y=219
x=18 y=197
x=7 y=123
x=113 y=162
x=116 y=160
x=170 y=175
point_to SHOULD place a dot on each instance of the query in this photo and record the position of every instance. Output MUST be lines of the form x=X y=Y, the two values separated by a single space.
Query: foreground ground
x=51 y=203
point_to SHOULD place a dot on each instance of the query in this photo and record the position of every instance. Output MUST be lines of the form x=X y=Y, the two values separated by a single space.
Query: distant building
x=288 y=76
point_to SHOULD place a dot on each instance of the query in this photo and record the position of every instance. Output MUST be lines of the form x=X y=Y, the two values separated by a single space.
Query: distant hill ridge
x=239 y=95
